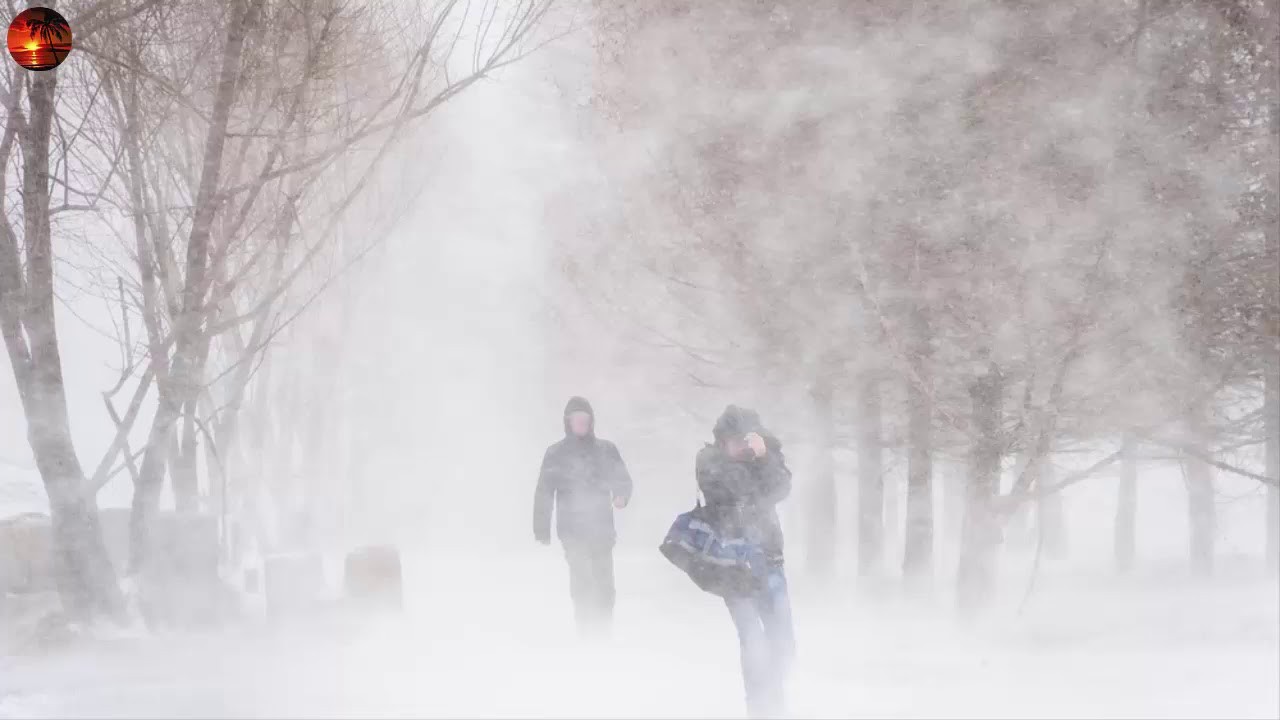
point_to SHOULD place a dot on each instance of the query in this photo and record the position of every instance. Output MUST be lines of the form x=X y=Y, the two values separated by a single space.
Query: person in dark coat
x=584 y=479
x=743 y=476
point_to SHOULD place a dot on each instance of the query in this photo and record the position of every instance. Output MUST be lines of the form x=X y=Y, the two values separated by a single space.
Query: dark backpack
x=720 y=563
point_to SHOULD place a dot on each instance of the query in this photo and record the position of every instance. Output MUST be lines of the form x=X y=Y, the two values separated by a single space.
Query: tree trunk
x=291 y=485
x=1127 y=508
x=1018 y=528
x=870 y=481
x=146 y=494
x=186 y=481
x=822 y=514
x=1201 y=507
x=184 y=374
x=252 y=470
x=979 y=535
x=235 y=473
x=953 y=501
x=1050 y=513
x=1272 y=410
x=893 y=520
x=917 y=559
x=1271 y=375
x=86 y=579
x=321 y=436
x=1126 y=524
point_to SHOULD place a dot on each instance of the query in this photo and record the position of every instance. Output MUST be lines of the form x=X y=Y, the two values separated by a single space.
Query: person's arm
x=709 y=470
x=775 y=477
x=544 y=498
x=620 y=484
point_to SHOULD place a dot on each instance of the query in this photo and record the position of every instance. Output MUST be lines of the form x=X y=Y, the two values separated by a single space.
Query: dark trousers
x=591 y=583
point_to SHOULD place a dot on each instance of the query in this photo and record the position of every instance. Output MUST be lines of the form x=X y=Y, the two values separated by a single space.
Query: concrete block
x=372 y=575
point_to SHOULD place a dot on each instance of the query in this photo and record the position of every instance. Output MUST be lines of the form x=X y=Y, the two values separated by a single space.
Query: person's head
x=580 y=423
x=735 y=446
x=731 y=429
x=579 y=419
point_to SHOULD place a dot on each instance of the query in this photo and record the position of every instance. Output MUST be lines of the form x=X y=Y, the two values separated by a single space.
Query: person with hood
x=583 y=479
x=743 y=476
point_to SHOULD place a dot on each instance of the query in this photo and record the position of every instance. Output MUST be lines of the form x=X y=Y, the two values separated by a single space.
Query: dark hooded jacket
x=741 y=495
x=580 y=477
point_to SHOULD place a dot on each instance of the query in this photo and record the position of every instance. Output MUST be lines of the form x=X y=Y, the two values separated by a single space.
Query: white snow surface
x=491 y=636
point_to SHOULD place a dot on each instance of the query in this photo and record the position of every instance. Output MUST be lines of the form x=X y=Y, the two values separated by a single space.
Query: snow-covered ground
x=493 y=637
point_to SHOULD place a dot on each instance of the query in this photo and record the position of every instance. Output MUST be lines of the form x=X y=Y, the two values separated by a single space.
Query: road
x=493 y=638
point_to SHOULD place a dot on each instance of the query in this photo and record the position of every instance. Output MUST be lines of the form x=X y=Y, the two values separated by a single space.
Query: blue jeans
x=767 y=641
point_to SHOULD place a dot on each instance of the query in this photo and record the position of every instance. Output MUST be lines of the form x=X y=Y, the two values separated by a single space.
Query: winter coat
x=580 y=478
x=741 y=495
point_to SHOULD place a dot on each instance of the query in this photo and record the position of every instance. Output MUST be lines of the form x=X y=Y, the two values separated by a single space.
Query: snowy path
x=472 y=648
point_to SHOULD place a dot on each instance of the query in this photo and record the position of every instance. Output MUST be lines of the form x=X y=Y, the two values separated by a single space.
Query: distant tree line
x=986 y=234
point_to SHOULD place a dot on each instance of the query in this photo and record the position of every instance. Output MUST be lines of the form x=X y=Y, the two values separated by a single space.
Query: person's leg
x=580 y=583
x=606 y=592
x=754 y=648
x=778 y=625
x=774 y=605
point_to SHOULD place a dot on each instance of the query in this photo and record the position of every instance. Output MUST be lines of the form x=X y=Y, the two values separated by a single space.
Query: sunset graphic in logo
x=39 y=39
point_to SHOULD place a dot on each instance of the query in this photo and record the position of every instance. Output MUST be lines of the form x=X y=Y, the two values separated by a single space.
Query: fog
x=845 y=219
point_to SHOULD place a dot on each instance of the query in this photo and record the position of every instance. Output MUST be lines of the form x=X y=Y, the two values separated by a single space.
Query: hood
x=736 y=421
x=579 y=404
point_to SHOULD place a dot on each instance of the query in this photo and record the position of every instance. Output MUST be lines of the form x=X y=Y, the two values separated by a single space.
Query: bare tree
x=259 y=214
x=230 y=254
